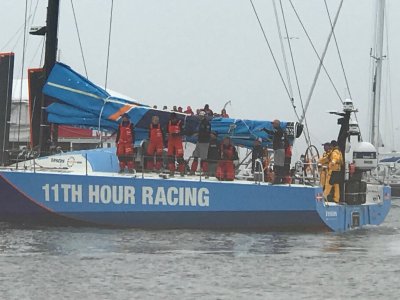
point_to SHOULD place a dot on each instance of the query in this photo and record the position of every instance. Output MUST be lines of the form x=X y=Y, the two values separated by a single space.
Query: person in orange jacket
x=156 y=144
x=125 y=144
x=226 y=169
x=175 y=147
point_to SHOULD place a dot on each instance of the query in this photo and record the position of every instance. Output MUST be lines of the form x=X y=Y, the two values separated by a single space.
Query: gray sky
x=192 y=52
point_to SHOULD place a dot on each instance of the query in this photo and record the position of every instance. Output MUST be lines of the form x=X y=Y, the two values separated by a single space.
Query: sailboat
x=84 y=187
x=389 y=163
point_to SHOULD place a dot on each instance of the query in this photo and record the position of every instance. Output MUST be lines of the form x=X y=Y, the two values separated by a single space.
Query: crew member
x=334 y=170
x=156 y=144
x=288 y=160
x=125 y=144
x=208 y=111
x=189 y=111
x=225 y=168
x=323 y=163
x=214 y=154
x=278 y=145
x=269 y=175
x=224 y=114
x=257 y=153
x=175 y=147
x=203 y=141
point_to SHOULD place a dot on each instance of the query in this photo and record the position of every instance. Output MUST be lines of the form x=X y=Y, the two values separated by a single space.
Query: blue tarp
x=81 y=103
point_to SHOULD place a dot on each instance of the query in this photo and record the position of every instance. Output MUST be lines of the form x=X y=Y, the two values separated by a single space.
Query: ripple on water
x=90 y=263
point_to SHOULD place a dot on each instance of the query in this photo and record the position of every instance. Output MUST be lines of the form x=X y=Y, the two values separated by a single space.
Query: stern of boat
x=343 y=217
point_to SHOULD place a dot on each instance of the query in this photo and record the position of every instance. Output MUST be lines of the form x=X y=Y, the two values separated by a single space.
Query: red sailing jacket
x=227 y=152
x=155 y=132
x=126 y=134
x=174 y=128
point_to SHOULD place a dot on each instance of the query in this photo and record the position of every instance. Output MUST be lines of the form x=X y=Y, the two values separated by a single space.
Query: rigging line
x=40 y=42
x=389 y=78
x=340 y=59
x=42 y=54
x=306 y=135
x=79 y=38
x=22 y=77
x=371 y=79
x=283 y=53
x=270 y=49
x=31 y=18
x=295 y=74
x=17 y=32
x=36 y=52
x=109 y=43
x=338 y=50
x=316 y=52
x=321 y=60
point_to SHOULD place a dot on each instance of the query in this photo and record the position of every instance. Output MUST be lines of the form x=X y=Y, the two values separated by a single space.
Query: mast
x=377 y=76
x=45 y=135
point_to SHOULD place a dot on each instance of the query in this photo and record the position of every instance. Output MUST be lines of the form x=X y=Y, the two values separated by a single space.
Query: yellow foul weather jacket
x=336 y=160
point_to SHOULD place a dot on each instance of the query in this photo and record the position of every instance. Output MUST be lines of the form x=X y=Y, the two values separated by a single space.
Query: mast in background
x=378 y=56
x=6 y=82
x=46 y=136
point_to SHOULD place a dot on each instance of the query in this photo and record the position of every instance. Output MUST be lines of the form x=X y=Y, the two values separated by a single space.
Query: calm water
x=87 y=263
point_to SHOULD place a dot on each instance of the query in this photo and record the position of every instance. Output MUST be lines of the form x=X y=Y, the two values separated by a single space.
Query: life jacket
x=125 y=134
x=227 y=152
x=174 y=128
x=155 y=132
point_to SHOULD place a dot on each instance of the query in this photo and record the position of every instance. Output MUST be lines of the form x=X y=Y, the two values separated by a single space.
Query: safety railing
x=258 y=176
x=259 y=171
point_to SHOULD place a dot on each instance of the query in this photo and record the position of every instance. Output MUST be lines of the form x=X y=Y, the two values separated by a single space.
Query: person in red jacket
x=156 y=144
x=175 y=147
x=225 y=169
x=224 y=114
x=125 y=144
x=189 y=111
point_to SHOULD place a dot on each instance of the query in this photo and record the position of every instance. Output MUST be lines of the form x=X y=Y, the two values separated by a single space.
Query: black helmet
x=334 y=143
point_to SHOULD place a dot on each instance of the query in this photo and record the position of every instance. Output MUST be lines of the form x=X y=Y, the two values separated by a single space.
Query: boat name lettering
x=331 y=213
x=125 y=194
x=63 y=192
x=106 y=194
x=173 y=196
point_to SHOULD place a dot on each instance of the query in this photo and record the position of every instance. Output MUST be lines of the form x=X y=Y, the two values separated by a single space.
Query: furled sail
x=82 y=103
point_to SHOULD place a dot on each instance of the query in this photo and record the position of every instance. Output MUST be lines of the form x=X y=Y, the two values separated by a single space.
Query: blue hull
x=153 y=203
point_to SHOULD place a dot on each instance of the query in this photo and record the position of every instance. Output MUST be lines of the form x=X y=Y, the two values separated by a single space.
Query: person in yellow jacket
x=323 y=163
x=333 y=175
